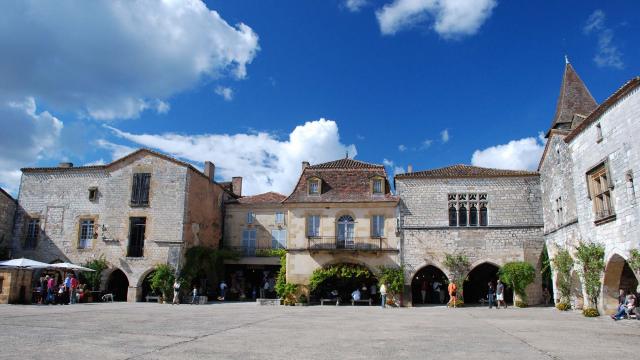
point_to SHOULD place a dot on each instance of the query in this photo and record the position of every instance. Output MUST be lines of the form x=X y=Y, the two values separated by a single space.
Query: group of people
x=435 y=289
x=627 y=305
x=365 y=292
x=48 y=291
x=495 y=295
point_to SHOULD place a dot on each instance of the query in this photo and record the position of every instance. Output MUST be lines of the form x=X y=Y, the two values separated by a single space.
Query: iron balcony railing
x=348 y=243
x=257 y=251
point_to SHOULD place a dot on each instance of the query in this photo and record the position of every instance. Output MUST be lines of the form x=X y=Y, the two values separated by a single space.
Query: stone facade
x=514 y=224
x=7 y=213
x=181 y=212
x=607 y=136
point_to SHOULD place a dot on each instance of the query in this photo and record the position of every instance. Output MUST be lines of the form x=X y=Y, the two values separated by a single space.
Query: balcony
x=332 y=243
x=255 y=251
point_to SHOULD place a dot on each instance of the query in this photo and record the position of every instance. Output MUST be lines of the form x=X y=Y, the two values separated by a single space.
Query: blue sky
x=245 y=83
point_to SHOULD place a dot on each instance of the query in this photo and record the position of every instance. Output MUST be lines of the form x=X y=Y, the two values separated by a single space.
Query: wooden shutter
x=135 y=189
x=144 y=189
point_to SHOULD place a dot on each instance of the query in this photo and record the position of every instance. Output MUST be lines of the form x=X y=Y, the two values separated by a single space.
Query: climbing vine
x=341 y=271
x=591 y=264
x=634 y=260
x=204 y=261
x=563 y=263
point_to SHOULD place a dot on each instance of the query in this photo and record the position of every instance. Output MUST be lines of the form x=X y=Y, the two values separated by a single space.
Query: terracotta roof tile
x=266 y=198
x=465 y=171
x=346 y=164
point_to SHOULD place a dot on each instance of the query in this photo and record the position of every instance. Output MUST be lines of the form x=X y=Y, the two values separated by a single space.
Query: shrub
x=634 y=261
x=93 y=278
x=522 y=304
x=563 y=306
x=393 y=277
x=590 y=312
x=591 y=262
x=518 y=274
x=162 y=280
x=563 y=263
x=459 y=303
x=458 y=265
x=281 y=280
x=340 y=271
x=303 y=299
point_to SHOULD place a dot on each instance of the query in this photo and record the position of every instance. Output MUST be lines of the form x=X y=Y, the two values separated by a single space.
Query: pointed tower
x=574 y=102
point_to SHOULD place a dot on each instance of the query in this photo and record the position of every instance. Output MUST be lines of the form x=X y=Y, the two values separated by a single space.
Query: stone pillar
x=134 y=294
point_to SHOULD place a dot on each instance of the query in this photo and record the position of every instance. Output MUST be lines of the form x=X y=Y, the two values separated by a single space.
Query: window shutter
x=135 y=189
x=146 y=182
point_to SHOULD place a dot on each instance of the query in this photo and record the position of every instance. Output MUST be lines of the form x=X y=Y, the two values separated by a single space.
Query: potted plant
x=162 y=281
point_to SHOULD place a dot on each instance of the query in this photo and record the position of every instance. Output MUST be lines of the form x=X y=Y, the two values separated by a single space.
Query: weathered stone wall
x=203 y=220
x=7 y=213
x=264 y=222
x=15 y=283
x=60 y=199
x=514 y=231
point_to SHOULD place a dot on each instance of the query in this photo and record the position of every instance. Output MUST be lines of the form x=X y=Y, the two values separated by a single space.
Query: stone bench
x=336 y=300
x=268 y=302
x=364 y=301
x=152 y=297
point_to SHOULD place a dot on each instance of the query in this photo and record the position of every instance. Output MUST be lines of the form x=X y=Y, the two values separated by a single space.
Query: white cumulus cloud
x=449 y=18
x=355 y=5
x=444 y=136
x=522 y=154
x=402 y=148
x=225 y=92
x=265 y=162
x=110 y=59
x=608 y=54
x=26 y=137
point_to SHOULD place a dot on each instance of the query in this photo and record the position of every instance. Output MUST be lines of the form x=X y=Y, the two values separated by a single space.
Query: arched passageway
x=345 y=278
x=617 y=276
x=145 y=287
x=429 y=286
x=476 y=285
x=118 y=285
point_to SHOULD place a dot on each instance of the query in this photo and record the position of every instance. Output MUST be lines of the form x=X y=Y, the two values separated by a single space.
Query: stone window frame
x=599 y=190
x=307 y=225
x=31 y=243
x=468 y=201
x=94 y=236
x=599 y=133
x=318 y=186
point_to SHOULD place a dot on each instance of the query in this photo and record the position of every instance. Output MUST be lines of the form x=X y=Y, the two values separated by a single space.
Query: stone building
x=340 y=212
x=7 y=213
x=139 y=211
x=491 y=216
x=254 y=226
x=587 y=177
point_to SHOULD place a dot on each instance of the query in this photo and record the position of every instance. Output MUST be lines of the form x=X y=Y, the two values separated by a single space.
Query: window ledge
x=605 y=219
x=139 y=206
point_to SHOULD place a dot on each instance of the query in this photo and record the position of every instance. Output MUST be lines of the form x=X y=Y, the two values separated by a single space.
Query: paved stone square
x=248 y=331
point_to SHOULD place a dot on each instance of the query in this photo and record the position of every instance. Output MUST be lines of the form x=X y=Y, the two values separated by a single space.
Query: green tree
x=562 y=263
x=393 y=277
x=634 y=261
x=93 y=278
x=458 y=265
x=590 y=258
x=163 y=279
x=518 y=274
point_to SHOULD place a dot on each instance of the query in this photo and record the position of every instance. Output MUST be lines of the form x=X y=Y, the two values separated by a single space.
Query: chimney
x=305 y=164
x=236 y=185
x=65 y=165
x=409 y=169
x=209 y=170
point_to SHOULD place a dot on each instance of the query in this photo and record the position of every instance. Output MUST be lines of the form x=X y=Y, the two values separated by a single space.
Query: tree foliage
x=393 y=277
x=590 y=258
x=163 y=279
x=201 y=261
x=458 y=265
x=562 y=264
x=634 y=260
x=93 y=278
x=283 y=290
x=518 y=274
x=340 y=271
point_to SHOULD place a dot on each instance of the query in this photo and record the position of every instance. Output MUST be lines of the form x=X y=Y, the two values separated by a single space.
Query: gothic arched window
x=453 y=216
x=462 y=216
x=473 y=216
x=483 y=215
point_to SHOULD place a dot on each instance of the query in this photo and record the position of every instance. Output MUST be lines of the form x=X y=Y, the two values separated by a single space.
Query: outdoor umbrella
x=24 y=263
x=68 y=266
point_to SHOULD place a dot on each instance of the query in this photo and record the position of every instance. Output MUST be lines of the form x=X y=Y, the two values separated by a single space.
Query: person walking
x=383 y=295
x=491 y=294
x=500 y=295
x=435 y=295
x=423 y=290
x=176 y=293
x=453 y=289
x=73 y=290
x=66 y=298
x=223 y=290
x=50 y=290
x=194 y=295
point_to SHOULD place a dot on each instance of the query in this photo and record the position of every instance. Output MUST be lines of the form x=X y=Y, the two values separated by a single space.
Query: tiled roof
x=266 y=198
x=465 y=171
x=574 y=98
x=611 y=100
x=6 y=194
x=346 y=163
x=343 y=181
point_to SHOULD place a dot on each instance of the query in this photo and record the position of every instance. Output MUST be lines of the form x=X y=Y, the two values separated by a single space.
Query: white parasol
x=24 y=263
x=68 y=266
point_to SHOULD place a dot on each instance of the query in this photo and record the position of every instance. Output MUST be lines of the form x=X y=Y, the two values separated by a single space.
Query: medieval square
x=345 y=179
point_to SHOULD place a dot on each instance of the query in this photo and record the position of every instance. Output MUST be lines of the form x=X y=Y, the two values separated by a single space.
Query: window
x=314 y=186
x=93 y=193
x=313 y=226
x=483 y=215
x=250 y=217
x=378 y=186
x=279 y=218
x=462 y=216
x=279 y=239
x=559 y=212
x=598 y=133
x=600 y=191
x=473 y=216
x=453 y=215
x=85 y=239
x=140 y=189
x=377 y=226
x=33 y=232
x=137 y=226
x=346 y=232
x=630 y=189
x=249 y=242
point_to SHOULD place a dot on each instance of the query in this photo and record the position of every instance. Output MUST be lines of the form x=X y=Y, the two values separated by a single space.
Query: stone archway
x=345 y=282
x=118 y=285
x=617 y=276
x=476 y=284
x=422 y=286
x=144 y=285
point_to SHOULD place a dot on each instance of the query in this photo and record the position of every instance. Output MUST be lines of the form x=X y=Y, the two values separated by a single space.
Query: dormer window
x=378 y=186
x=314 y=186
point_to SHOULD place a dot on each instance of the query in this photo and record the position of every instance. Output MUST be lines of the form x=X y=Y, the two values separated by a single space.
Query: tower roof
x=574 y=99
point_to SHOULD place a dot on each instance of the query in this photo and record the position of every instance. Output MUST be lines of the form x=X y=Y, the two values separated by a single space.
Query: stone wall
x=514 y=231
x=7 y=213
x=264 y=222
x=203 y=219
